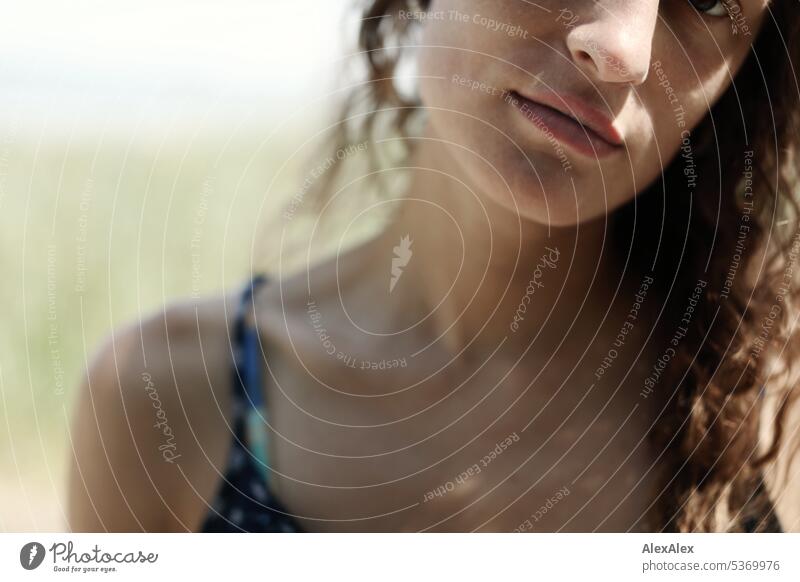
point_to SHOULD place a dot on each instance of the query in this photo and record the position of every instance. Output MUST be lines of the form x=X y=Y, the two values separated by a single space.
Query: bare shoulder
x=328 y=286
x=782 y=477
x=150 y=424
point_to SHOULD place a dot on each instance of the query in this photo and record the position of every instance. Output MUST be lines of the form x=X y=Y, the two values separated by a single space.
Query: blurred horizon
x=140 y=147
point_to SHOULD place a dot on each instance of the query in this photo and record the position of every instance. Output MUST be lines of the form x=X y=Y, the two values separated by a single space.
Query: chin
x=551 y=201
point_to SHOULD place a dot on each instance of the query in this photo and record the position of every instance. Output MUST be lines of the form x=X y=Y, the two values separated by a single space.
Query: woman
x=576 y=318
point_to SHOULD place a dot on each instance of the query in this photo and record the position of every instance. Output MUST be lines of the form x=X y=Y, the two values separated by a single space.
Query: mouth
x=571 y=123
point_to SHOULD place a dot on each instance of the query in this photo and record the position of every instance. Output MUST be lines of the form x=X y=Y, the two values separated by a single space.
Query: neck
x=485 y=274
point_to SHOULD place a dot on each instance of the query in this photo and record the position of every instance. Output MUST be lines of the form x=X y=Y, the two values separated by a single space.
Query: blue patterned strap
x=248 y=381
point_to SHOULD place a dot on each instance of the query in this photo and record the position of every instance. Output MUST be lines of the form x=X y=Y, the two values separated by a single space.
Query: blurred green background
x=141 y=150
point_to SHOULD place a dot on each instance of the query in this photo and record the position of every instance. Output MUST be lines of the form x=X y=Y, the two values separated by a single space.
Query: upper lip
x=581 y=111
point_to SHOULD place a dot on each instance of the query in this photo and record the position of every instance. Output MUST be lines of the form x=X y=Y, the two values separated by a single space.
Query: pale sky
x=107 y=59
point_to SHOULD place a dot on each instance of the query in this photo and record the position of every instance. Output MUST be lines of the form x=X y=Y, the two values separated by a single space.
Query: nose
x=614 y=42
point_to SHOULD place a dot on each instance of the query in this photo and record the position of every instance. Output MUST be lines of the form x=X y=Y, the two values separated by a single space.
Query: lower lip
x=563 y=129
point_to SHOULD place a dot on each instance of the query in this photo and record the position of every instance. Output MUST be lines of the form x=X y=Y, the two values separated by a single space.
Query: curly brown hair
x=737 y=231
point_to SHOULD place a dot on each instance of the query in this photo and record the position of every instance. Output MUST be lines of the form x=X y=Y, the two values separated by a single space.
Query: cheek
x=697 y=67
x=444 y=85
x=438 y=59
x=680 y=93
x=438 y=94
x=702 y=85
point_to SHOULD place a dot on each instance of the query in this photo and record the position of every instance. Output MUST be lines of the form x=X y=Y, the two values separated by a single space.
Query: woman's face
x=630 y=80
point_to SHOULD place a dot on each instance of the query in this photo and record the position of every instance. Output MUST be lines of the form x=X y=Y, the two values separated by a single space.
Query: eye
x=710 y=7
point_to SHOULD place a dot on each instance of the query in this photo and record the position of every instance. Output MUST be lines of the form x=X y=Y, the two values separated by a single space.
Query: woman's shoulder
x=151 y=422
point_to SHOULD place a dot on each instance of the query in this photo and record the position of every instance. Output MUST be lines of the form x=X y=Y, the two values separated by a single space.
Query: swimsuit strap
x=250 y=421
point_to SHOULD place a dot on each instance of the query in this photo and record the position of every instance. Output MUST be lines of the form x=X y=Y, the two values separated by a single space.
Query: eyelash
x=731 y=9
x=719 y=3
x=724 y=4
